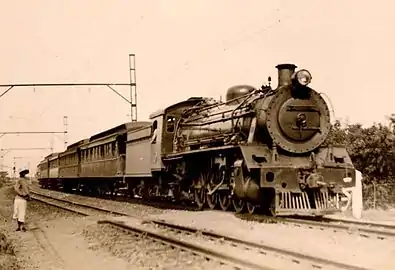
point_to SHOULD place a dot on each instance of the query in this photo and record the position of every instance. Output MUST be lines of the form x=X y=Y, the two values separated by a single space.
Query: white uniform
x=22 y=190
x=19 y=209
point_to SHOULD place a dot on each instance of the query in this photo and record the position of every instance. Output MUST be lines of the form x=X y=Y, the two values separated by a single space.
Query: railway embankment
x=60 y=239
x=345 y=246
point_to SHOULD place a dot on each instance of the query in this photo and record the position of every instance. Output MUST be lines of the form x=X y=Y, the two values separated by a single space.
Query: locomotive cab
x=167 y=121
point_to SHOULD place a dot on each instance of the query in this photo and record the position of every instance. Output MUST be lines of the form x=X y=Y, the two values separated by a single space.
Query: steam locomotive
x=260 y=149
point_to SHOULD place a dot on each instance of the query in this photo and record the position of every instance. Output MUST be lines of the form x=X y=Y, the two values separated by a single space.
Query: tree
x=372 y=151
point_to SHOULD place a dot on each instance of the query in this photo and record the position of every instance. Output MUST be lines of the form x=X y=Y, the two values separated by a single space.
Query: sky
x=183 y=49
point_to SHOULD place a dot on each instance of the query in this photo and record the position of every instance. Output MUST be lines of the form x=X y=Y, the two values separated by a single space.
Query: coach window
x=113 y=149
x=116 y=149
x=170 y=123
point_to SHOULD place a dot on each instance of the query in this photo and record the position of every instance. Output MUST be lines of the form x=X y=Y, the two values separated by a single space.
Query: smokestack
x=285 y=72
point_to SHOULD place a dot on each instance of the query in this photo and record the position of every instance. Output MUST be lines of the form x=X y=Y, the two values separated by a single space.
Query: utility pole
x=133 y=87
x=132 y=84
x=132 y=101
x=65 y=124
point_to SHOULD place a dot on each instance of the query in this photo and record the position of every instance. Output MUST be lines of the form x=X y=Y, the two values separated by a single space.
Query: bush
x=378 y=195
x=372 y=151
x=2 y=182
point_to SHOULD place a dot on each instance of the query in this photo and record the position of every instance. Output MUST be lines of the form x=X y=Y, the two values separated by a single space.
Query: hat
x=23 y=171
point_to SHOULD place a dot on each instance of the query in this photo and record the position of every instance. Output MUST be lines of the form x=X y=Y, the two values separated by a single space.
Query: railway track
x=186 y=246
x=364 y=229
x=157 y=203
x=75 y=207
x=259 y=253
x=212 y=246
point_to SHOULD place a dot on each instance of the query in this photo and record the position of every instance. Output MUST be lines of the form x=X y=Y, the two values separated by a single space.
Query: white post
x=357 y=202
x=374 y=195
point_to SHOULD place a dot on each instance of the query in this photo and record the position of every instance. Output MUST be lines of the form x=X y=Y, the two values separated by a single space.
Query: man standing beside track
x=22 y=189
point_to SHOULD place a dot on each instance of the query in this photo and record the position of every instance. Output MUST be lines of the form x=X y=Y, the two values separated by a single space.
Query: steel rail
x=362 y=223
x=59 y=206
x=281 y=251
x=330 y=223
x=73 y=203
x=192 y=247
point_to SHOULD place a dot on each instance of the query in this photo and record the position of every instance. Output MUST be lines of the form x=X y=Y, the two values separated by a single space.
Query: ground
x=60 y=240
x=54 y=240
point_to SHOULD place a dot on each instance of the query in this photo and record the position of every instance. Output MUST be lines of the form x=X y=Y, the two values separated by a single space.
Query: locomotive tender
x=261 y=148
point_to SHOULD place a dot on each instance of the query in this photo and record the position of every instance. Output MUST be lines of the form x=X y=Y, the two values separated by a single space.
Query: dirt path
x=54 y=240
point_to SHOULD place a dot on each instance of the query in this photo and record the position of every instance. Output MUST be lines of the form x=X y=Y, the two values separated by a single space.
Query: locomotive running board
x=175 y=155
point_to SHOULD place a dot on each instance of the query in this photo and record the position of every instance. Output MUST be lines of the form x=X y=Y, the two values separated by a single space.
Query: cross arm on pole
x=31 y=132
x=6 y=91
x=109 y=85
x=24 y=149
x=62 y=84
x=116 y=92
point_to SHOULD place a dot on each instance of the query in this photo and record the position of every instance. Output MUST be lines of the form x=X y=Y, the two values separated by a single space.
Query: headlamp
x=303 y=77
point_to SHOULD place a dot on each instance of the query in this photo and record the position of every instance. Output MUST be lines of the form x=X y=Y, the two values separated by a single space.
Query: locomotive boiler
x=264 y=148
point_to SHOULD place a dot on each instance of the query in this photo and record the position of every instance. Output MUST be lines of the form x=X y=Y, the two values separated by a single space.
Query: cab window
x=170 y=122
